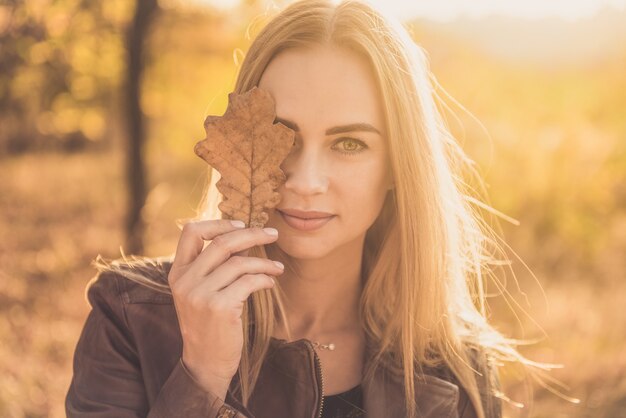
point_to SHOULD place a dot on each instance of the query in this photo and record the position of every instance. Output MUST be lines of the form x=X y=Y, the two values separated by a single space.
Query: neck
x=322 y=298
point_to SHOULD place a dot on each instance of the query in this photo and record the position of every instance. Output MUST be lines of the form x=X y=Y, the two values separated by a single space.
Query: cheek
x=363 y=188
x=367 y=179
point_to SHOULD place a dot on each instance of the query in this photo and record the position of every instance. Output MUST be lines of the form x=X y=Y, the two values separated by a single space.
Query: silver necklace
x=329 y=346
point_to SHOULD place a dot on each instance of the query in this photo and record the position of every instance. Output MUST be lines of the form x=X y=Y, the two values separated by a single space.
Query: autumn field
x=548 y=138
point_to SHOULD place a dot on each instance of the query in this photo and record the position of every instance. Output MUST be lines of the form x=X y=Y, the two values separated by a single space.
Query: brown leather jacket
x=127 y=363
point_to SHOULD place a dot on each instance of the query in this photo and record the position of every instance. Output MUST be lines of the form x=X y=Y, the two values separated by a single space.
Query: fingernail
x=279 y=264
x=271 y=231
x=238 y=224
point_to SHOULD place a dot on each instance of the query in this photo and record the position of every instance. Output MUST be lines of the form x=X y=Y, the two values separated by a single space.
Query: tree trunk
x=135 y=169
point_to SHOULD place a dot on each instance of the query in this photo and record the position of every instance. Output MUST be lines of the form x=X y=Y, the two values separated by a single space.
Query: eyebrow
x=352 y=127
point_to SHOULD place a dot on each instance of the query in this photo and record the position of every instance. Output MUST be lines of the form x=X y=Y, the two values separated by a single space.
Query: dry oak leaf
x=247 y=149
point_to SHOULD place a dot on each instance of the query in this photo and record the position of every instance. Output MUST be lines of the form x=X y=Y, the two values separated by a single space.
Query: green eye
x=351 y=145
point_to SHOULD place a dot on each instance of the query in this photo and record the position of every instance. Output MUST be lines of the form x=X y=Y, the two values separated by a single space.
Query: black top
x=348 y=404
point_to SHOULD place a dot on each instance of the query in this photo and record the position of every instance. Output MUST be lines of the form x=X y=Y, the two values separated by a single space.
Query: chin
x=298 y=248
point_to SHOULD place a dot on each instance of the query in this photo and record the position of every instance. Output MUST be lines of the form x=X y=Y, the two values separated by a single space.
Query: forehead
x=327 y=84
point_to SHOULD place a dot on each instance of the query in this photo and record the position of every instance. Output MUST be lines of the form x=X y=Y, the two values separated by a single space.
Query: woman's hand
x=210 y=288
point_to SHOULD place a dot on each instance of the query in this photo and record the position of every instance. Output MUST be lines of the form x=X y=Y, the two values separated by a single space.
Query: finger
x=247 y=284
x=235 y=268
x=224 y=246
x=194 y=234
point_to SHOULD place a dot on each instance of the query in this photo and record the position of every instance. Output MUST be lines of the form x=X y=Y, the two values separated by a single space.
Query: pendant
x=330 y=346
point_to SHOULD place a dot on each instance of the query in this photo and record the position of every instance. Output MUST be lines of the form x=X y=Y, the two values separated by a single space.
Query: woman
x=374 y=309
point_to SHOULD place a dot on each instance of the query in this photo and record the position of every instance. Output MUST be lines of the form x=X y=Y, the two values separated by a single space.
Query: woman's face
x=338 y=164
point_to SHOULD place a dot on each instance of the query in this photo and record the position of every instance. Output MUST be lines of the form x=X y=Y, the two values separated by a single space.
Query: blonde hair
x=427 y=255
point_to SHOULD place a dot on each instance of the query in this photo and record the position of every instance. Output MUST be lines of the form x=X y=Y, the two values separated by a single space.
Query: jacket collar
x=290 y=384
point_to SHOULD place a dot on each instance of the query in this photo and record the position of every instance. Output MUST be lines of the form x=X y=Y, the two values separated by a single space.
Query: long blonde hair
x=427 y=256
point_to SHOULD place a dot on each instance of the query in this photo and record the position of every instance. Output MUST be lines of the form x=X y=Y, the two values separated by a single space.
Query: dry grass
x=57 y=214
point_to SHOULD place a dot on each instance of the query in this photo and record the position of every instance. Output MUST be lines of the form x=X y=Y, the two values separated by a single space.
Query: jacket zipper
x=320 y=378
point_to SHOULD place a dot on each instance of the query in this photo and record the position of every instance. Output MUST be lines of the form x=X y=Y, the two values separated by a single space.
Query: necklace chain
x=329 y=346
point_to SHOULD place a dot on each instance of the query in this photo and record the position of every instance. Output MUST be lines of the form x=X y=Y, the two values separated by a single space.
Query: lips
x=305 y=214
x=305 y=220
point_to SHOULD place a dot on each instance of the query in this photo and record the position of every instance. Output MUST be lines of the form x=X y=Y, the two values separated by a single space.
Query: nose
x=305 y=172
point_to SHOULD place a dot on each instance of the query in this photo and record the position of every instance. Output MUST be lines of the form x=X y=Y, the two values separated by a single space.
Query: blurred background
x=100 y=101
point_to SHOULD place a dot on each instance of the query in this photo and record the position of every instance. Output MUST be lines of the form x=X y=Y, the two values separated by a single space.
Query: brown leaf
x=247 y=148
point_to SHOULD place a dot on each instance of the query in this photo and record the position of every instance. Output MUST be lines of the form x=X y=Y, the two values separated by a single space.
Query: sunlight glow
x=446 y=10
